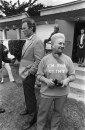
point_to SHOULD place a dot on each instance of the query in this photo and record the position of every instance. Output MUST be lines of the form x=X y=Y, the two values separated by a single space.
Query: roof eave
x=14 y=17
x=79 y=4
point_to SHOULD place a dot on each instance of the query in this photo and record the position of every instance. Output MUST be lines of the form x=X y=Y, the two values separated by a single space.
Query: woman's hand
x=49 y=83
x=65 y=82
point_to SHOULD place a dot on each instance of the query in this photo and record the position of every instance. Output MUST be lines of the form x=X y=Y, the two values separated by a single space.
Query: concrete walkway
x=78 y=86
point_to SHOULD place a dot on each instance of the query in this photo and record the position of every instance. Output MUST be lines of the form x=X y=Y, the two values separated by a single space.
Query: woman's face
x=58 y=46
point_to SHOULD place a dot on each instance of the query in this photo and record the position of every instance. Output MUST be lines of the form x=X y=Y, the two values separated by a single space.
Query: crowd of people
x=54 y=71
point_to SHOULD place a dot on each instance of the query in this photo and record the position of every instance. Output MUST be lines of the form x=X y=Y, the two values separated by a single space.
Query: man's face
x=26 y=30
x=82 y=31
x=58 y=46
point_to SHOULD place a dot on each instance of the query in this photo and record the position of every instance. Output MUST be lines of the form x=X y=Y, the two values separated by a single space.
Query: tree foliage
x=35 y=10
x=9 y=8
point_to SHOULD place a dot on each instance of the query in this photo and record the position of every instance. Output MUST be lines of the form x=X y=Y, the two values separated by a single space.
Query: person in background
x=56 y=30
x=7 y=65
x=32 y=53
x=83 y=64
x=4 y=58
x=55 y=71
x=3 y=55
x=47 y=42
x=8 y=68
x=81 y=48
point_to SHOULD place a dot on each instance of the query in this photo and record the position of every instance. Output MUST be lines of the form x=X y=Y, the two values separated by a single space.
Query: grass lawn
x=73 y=117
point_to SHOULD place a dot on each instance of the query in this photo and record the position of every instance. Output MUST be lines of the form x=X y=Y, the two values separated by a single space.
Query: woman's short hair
x=30 y=22
x=57 y=36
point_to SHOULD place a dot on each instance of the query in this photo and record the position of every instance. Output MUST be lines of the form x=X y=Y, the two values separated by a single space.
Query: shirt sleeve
x=71 y=69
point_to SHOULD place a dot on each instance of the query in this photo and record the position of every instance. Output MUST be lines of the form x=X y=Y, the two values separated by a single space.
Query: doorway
x=77 y=28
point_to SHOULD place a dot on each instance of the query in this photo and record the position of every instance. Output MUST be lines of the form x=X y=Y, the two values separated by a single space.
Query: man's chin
x=59 y=53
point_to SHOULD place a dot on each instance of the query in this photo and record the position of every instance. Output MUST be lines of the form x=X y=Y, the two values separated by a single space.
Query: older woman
x=55 y=71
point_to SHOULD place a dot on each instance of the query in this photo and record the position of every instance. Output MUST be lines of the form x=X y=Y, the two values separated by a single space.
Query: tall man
x=32 y=53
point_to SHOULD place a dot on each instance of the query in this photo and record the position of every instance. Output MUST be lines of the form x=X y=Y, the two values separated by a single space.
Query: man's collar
x=82 y=34
x=30 y=37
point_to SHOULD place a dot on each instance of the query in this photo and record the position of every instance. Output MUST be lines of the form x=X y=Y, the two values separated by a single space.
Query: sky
x=46 y=2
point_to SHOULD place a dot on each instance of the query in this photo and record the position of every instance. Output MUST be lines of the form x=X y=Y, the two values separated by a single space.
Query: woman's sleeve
x=71 y=69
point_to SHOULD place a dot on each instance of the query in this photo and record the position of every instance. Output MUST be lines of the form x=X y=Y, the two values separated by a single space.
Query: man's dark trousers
x=29 y=93
x=1 y=55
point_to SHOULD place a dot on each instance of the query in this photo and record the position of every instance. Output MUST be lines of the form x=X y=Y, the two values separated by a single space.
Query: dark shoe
x=2 y=110
x=24 y=113
x=31 y=123
x=26 y=127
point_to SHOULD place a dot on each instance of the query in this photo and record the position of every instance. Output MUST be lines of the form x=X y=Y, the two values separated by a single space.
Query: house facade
x=69 y=16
